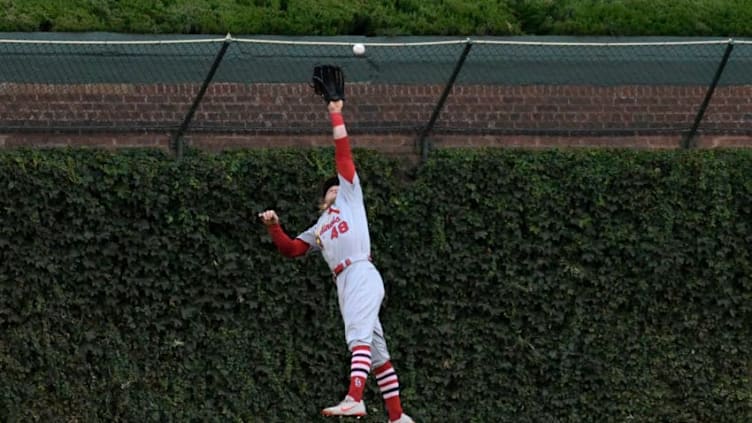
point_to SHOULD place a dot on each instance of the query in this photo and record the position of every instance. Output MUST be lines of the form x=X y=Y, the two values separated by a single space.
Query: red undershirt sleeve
x=287 y=246
x=342 y=152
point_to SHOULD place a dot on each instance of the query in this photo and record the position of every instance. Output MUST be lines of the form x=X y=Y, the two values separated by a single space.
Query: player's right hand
x=269 y=217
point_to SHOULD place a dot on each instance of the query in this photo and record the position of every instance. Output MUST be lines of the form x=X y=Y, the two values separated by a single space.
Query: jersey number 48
x=339 y=229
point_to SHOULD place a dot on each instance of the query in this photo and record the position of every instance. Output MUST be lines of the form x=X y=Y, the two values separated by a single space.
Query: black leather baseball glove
x=329 y=82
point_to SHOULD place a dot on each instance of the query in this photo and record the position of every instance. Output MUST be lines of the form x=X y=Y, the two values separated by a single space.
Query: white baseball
x=359 y=49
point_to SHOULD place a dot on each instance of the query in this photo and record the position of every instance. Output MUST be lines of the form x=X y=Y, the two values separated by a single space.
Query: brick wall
x=383 y=117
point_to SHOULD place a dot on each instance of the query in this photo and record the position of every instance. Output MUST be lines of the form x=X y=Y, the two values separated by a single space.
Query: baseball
x=359 y=49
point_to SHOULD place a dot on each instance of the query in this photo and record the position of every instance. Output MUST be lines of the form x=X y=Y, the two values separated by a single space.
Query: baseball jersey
x=341 y=231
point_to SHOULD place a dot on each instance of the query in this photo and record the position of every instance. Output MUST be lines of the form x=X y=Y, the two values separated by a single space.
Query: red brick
x=229 y=105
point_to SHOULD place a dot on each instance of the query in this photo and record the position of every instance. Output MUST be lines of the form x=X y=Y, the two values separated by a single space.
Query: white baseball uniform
x=341 y=235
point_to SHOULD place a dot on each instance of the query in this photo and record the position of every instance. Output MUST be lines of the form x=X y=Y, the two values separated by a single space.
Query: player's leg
x=360 y=301
x=364 y=293
x=386 y=377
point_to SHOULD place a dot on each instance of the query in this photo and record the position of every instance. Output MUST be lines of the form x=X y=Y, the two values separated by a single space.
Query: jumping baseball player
x=341 y=235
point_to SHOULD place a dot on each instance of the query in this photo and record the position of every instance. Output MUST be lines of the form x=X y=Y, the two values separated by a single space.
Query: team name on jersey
x=329 y=225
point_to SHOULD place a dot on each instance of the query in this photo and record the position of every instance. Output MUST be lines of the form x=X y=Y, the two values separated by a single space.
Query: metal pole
x=689 y=141
x=423 y=140
x=177 y=139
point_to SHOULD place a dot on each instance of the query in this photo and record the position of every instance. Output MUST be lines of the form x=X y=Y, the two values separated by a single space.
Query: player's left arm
x=342 y=151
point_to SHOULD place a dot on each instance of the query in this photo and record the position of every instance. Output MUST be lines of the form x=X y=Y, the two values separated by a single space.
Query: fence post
x=177 y=139
x=423 y=139
x=689 y=141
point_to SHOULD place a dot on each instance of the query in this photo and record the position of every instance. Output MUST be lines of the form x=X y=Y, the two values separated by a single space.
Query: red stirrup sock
x=360 y=365
x=389 y=386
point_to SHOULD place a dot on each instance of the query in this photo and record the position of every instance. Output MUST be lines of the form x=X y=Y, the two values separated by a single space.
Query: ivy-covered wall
x=522 y=286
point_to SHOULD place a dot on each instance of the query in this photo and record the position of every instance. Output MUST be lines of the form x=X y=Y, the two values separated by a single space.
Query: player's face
x=331 y=195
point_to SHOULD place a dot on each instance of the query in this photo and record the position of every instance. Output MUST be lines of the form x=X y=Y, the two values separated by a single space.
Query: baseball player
x=341 y=235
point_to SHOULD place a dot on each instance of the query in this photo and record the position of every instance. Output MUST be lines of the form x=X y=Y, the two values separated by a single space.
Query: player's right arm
x=287 y=246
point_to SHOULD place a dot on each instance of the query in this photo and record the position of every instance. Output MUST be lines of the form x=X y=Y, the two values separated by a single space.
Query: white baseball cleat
x=348 y=407
x=404 y=418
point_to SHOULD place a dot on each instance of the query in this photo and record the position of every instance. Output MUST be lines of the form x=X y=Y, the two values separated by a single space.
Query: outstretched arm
x=342 y=152
x=287 y=246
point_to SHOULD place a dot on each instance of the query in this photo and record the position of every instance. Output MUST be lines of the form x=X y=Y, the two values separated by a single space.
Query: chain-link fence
x=419 y=86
